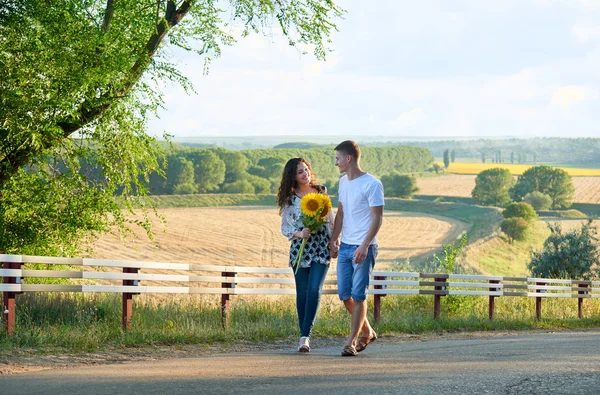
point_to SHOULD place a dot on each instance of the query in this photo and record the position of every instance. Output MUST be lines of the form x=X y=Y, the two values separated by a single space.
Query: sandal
x=365 y=341
x=349 y=351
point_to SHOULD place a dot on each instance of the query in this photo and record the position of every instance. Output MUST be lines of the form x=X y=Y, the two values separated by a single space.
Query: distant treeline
x=535 y=150
x=217 y=170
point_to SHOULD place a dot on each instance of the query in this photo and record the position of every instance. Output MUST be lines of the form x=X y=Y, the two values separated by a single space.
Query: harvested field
x=250 y=236
x=587 y=189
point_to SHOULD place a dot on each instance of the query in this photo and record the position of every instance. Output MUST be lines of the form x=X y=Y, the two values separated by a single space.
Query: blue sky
x=445 y=68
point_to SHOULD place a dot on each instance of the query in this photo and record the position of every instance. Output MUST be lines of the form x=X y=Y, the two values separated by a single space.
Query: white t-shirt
x=357 y=197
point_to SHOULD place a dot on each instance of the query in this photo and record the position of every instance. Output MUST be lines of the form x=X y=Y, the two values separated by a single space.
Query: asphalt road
x=551 y=363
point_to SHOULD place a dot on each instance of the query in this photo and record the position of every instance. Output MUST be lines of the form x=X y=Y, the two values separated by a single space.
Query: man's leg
x=366 y=328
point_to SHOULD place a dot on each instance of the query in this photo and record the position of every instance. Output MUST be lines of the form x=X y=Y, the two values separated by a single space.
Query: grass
x=212 y=200
x=50 y=323
x=497 y=256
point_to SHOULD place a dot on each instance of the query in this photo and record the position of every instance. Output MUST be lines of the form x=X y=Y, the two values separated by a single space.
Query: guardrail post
x=9 y=303
x=437 y=298
x=377 y=300
x=538 y=303
x=128 y=299
x=491 y=299
x=580 y=301
x=225 y=300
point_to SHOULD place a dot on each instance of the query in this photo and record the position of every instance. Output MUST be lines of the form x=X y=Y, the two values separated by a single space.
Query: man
x=358 y=219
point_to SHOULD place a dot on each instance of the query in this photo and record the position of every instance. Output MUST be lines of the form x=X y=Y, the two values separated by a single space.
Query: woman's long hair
x=289 y=184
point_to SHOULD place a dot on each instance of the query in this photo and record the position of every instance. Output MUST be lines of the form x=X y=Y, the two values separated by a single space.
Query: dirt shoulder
x=28 y=360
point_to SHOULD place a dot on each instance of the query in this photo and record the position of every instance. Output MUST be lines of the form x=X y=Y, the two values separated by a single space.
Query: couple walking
x=357 y=220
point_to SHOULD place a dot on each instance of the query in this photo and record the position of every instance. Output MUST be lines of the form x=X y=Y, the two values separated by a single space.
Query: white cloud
x=567 y=96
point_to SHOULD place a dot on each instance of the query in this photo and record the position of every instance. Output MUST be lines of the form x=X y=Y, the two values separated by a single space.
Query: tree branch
x=108 y=14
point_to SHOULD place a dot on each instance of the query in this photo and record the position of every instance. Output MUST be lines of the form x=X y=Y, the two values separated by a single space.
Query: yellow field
x=476 y=168
x=587 y=189
x=251 y=236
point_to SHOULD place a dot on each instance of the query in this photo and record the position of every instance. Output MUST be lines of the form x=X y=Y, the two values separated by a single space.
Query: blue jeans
x=353 y=279
x=309 y=283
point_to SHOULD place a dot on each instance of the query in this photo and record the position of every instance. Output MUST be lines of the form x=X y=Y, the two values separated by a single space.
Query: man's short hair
x=349 y=147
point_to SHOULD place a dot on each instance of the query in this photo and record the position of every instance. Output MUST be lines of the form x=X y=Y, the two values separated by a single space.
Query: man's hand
x=360 y=254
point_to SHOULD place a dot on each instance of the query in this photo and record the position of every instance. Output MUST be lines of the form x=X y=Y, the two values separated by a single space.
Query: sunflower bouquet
x=315 y=207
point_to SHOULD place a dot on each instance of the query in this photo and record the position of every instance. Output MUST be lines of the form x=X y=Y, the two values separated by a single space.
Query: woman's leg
x=301 y=278
x=316 y=278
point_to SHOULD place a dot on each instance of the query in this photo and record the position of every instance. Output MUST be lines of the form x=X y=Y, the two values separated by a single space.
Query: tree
x=492 y=187
x=483 y=157
x=399 y=185
x=569 y=255
x=538 y=200
x=209 y=171
x=436 y=167
x=555 y=183
x=515 y=228
x=78 y=81
x=520 y=210
x=453 y=155
x=179 y=173
x=512 y=157
x=446 y=158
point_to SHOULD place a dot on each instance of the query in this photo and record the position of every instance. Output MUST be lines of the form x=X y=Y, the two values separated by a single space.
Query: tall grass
x=83 y=323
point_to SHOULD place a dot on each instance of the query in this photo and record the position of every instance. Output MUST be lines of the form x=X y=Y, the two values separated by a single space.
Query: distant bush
x=562 y=214
x=567 y=255
x=399 y=185
x=240 y=186
x=492 y=187
x=188 y=188
x=515 y=228
x=520 y=210
x=538 y=200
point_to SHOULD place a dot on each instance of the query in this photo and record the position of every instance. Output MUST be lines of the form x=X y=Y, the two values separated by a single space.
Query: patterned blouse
x=317 y=246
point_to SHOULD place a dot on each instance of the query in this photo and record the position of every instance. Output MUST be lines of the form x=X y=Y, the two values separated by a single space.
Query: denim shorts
x=353 y=279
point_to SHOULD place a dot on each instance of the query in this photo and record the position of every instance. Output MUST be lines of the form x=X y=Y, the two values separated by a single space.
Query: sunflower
x=326 y=204
x=310 y=204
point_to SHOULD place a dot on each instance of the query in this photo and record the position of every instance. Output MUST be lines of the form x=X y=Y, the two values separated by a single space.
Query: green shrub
x=515 y=228
x=520 y=210
x=538 y=200
x=492 y=187
x=399 y=185
x=567 y=255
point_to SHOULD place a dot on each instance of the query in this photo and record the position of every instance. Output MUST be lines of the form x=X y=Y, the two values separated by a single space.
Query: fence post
x=225 y=300
x=9 y=303
x=377 y=300
x=128 y=299
x=538 y=303
x=491 y=299
x=580 y=300
x=437 y=298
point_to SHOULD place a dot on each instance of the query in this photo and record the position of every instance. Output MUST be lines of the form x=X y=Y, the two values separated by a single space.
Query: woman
x=297 y=180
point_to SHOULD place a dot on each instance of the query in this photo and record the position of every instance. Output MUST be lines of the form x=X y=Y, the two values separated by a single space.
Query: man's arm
x=376 y=218
x=334 y=243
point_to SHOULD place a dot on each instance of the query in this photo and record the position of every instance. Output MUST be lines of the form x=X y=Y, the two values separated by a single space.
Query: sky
x=432 y=68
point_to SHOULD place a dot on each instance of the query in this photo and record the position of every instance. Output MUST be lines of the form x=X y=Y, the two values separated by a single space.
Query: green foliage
x=520 y=210
x=492 y=187
x=399 y=185
x=78 y=81
x=569 y=255
x=515 y=228
x=446 y=158
x=209 y=170
x=180 y=172
x=450 y=252
x=436 y=167
x=538 y=200
x=556 y=183
x=239 y=186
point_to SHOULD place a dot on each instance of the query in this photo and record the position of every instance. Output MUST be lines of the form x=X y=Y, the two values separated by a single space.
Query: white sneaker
x=304 y=344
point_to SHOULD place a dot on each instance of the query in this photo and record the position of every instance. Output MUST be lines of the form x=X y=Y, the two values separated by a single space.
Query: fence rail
x=181 y=278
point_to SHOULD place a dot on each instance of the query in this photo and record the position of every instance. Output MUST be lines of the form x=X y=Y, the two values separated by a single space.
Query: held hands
x=334 y=247
x=303 y=234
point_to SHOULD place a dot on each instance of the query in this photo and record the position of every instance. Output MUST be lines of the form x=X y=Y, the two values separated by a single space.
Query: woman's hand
x=303 y=234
